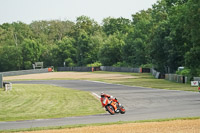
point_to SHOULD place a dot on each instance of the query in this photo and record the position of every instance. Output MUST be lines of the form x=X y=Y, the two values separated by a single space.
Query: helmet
x=102 y=93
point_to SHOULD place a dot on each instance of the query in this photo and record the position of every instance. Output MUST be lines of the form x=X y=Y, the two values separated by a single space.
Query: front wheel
x=110 y=109
x=122 y=110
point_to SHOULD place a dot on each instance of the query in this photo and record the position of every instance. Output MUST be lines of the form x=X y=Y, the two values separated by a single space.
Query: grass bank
x=26 y=102
x=146 y=80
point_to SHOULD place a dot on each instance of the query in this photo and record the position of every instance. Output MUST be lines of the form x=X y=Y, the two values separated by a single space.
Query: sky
x=28 y=11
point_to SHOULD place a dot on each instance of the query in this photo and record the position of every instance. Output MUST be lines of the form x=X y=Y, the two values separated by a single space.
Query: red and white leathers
x=110 y=98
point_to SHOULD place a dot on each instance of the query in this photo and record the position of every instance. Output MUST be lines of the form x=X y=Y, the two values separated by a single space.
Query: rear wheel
x=122 y=110
x=110 y=109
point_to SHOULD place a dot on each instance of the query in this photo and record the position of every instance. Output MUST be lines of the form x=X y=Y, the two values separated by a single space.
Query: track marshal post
x=199 y=87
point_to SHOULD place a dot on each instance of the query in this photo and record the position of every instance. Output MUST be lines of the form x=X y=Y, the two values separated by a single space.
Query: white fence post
x=8 y=87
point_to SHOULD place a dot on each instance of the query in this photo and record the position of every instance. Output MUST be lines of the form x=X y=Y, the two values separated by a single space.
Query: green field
x=26 y=102
x=147 y=80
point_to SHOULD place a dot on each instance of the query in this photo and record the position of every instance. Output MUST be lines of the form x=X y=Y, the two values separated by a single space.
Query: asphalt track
x=140 y=103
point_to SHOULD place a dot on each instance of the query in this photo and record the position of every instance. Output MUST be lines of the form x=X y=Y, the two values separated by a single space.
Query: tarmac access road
x=140 y=103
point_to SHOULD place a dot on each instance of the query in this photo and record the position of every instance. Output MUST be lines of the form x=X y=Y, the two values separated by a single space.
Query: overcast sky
x=32 y=10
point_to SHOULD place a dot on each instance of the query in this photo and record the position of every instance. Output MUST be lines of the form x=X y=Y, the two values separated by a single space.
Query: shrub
x=146 y=66
x=121 y=64
x=95 y=64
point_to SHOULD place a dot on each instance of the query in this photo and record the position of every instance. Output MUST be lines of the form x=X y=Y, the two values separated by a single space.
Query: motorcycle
x=112 y=105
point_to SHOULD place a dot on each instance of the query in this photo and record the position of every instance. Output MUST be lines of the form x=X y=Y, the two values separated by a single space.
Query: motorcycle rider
x=111 y=98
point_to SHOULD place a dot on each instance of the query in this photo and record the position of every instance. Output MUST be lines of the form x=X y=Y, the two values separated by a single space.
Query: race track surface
x=140 y=103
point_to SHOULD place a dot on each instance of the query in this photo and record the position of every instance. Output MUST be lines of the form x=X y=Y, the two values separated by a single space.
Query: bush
x=95 y=64
x=198 y=72
x=121 y=64
x=27 y=65
x=146 y=66
x=184 y=72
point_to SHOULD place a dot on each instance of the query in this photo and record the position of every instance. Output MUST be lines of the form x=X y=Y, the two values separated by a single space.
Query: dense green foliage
x=166 y=36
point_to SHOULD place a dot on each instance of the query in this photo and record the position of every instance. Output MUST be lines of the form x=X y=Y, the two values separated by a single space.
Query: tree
x=114 y=25
x=192 y=30
x=66 y=51
x=21 y=31
x=84 y=34
x=136 y=49
x=31 y=52
x=10 y=58
x=96 y=42
x=40 y=31
x=88 y=25
x=83 y=48
x=160 y=47
x=111 y=50
x=48 y=32
x=7 y=35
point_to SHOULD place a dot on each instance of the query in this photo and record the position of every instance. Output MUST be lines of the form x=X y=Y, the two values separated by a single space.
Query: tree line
x=165 y=36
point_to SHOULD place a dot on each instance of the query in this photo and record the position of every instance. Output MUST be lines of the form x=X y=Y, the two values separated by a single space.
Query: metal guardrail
x=1 y=80
x=24 y=72
x=155 y=73
x=176 y=78
x=196 y=78
x=79 y=69
x=120 y=69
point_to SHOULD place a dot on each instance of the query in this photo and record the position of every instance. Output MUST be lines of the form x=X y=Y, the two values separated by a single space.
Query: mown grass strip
x=27 y=102
x=98 y=124
x=147 y=80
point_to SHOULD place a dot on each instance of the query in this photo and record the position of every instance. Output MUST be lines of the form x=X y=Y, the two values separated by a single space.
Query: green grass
x=147 y=80
x=154 y=83
x=26 y=102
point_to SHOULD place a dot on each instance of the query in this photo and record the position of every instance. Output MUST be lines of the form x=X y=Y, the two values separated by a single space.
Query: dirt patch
x=178 y=126
x=69 y=75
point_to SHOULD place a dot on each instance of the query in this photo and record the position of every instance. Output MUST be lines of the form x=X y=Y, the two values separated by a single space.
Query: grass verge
x=27 y=102
x=147 y=80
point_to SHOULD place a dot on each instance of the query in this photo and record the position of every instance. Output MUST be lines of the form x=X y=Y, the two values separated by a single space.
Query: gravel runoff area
x=68 y=75
x=176 y=126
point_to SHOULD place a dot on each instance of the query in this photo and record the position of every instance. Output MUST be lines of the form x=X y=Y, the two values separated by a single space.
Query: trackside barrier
x=1 y=80
x=79 y=69
x=170 y=77
x=145 y=70
x=120 y=69
x=176 y=78
x=105 y=68
x=196 y=78
x=155 y=73
x=24 y=72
